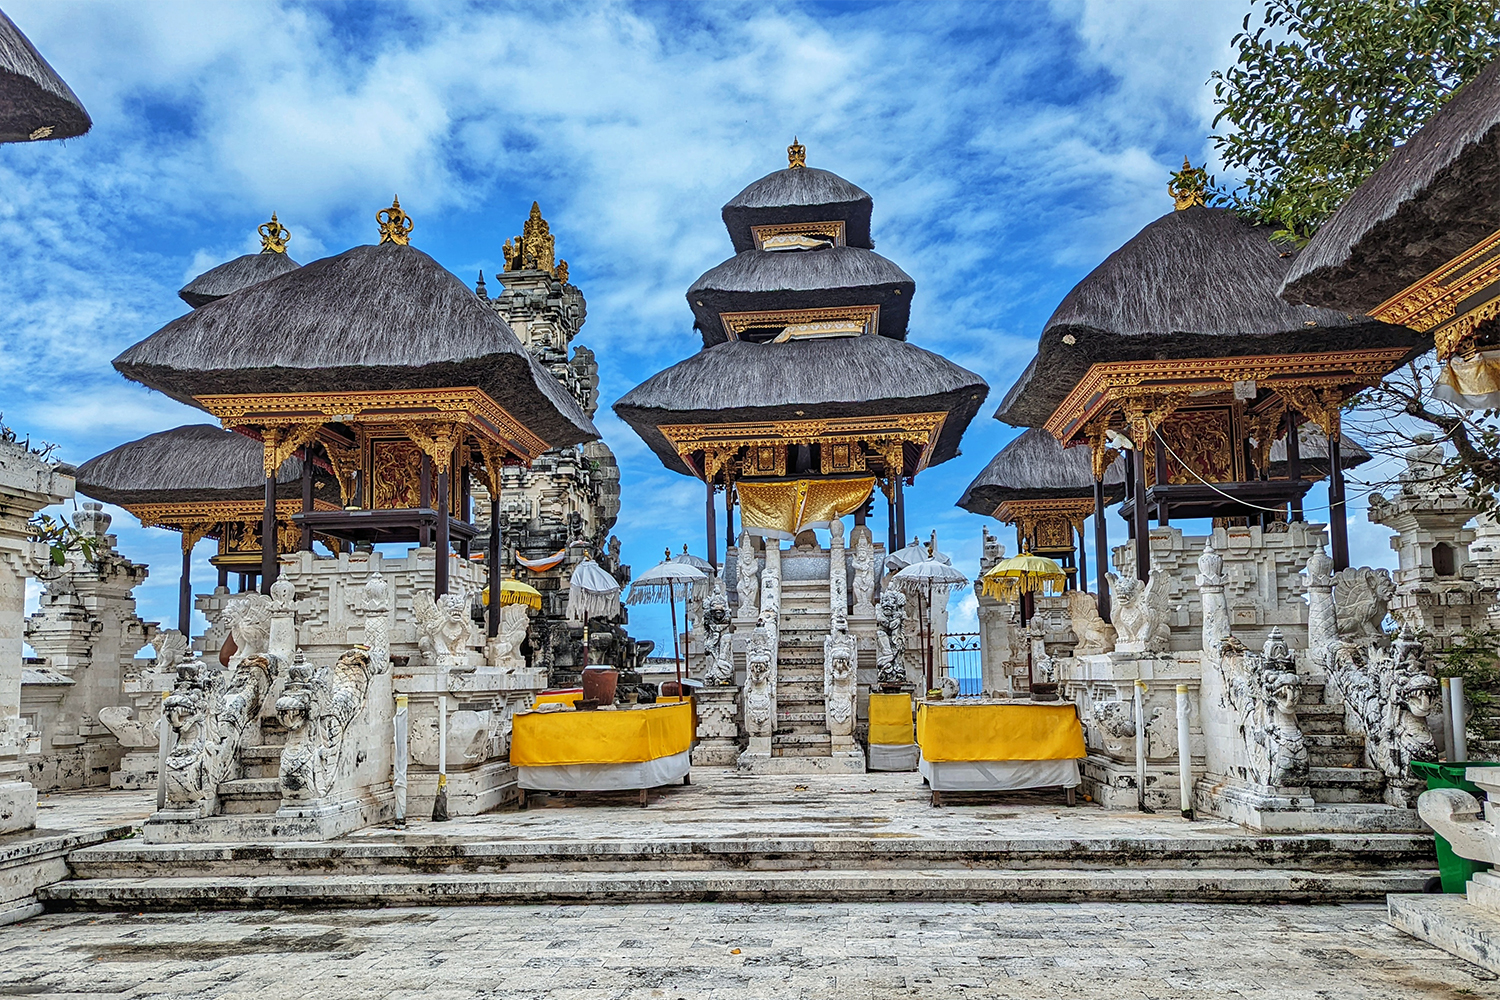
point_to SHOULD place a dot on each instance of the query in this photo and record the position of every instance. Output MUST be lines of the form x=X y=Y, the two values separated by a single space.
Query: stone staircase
x=801 y=728
x=1337 y=774
x=258 y=790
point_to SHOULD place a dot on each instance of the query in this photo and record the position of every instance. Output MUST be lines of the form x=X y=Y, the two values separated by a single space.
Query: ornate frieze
x=840 y=439
x=1436 y=303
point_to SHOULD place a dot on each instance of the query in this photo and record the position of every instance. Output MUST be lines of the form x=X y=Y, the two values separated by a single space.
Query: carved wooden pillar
x=494 y=561
x=1101 y=549
x=307 y=498
x=440 y=586
x=1293 y=460
x=185 y=585
x=424 y=479
x=713 y=530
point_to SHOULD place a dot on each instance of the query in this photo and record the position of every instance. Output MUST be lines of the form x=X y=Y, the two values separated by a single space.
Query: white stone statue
x=760 y=680
x=890 y=638
x=862 y=551
x=186 y=777
x=839 y=659
x=1361 y=598
x=505 y=648
x=1262 y=690
x=747 y=577
x=247 y=617
x=718 y=631
x=1140 y=613
x=137 y=733
x=318 y=709
x=1094 y=634
x=375 y=608
x=444 y=628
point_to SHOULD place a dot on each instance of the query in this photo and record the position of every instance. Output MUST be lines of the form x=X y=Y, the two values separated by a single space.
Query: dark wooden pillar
x=713 y=529
x=900 y=511
x=268 y=537
x=1338 y=513
x=1082 y=577
x=1141 y=524
x=307 y=497
x=185 y=588
x=1293 y=460
x=224 y=577
x=424 y=481
x=440 y=587
x=1101 y=549
x=728 y=518
x=244 y=582
x=463 y=508
x=494 y=565
x=891 y=537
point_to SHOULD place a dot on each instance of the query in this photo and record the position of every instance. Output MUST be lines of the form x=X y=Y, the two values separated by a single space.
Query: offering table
x=611 y=749
x=987 y=746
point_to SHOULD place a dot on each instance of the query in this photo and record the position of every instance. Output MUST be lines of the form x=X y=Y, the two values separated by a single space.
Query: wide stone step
x=250 y=795
x=802 y=690
x=1346 y=784
x=788 y=717
x=1133 y=884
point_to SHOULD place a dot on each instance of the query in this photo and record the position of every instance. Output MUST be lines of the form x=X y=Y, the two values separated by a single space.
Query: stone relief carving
x=138 y=733
x=375 y=609
x=839 y=660
x=890 y=638
x=718 y=631
x=1140 y=612
x=1361 y=598
x=838 y=572
x=1094 y=634
x=444 y=628
x=506 y=646
x=760 y=679
x=1210 y=582
x=862 y=551
x=747 y=577
x=1115 y=727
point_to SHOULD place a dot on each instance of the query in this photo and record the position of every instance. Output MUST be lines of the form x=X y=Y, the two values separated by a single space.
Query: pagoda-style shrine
x=1179 y=349
x=245 y=270
x=805 y=394
x=387 y=370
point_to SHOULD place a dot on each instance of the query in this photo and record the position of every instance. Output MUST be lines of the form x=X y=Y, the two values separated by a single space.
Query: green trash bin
x=1454 y=870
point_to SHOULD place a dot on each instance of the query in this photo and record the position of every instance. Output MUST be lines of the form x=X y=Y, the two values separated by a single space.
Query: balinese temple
x=381 y=368
x=1179 y=349
x=205 y=482
x=1418 y=244
x=35 y=103
x=805 y=394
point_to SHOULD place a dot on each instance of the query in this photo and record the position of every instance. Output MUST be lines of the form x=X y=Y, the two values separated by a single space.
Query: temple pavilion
x=1418 y=244
x=1179 y=349
x=376 y=366
x=805 y=394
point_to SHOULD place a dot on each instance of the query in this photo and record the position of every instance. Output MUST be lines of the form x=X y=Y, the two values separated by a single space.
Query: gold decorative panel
x=831 y=230
x=841 y=456
x=764 y=441
x=1203 y=441
x=1434 y=303
x=866 y=318
x=395 y=475
x=765 y=460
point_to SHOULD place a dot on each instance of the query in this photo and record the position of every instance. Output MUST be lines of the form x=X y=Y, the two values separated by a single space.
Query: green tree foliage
x=1323 y=90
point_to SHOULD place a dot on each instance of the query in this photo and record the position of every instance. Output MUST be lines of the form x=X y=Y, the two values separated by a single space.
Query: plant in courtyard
x=1475 y=657
x=60 y=537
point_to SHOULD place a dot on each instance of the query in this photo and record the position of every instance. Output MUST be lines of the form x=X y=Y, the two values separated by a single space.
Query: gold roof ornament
x=1188 y=186
x=273 y=236
x=535 y=249
x=796 y=155
x=395 y=225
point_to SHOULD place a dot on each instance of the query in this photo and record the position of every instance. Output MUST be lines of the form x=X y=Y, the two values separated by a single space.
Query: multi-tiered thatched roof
x=231 y=276
x=34 y=102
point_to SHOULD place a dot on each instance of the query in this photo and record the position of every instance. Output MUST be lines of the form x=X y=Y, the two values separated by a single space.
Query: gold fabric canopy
x=780 y=510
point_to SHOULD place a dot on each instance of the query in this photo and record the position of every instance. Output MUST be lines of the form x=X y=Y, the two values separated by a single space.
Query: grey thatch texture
x=802 y=279
x=374 y=317
x=32 y=96
x=1312 y=453
x=230 y=277
x=1036 y=467
x=848 y=377
x=803 y=194
x=1199 y=283
x=1435 y=197
x=192 y=463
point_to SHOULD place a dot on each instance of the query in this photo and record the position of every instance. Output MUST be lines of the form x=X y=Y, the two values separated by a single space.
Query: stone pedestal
x=718 y=726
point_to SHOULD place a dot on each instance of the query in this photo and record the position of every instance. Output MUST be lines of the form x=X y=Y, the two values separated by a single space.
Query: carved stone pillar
x=718 y=726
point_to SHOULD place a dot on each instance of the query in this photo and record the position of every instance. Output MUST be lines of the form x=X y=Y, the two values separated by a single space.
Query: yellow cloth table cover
x=890 y=720
x=559 y=697
x=619 y=736
x=960 y=732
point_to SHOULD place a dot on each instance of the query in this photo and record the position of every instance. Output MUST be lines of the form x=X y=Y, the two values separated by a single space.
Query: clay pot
x=599 y=684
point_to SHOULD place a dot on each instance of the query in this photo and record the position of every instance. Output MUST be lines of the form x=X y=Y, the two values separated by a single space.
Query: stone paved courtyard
x=1080 y=952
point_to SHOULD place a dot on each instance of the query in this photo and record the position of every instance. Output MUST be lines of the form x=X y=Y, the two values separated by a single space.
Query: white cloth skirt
x=605 y=777
x=998 y=775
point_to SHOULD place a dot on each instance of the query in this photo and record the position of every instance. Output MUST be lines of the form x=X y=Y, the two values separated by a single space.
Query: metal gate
x=961 y=653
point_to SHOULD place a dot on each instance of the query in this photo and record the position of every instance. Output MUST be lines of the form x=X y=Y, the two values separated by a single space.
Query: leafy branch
x=60 y=537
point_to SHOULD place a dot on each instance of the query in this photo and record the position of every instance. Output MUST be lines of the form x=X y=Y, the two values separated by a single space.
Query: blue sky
x=1009 y=148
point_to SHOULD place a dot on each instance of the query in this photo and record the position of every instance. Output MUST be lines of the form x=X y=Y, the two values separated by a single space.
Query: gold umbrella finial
x=273 y=236
x=796 y=155
x=1188 y=186
x=395 y=225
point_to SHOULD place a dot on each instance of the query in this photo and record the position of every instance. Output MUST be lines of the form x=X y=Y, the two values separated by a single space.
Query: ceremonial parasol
x=592 y=593
x=920 y=579
x=1020 y=574
x=688 y=559
x=910 y=555
x=516 y=592
x=662 y=582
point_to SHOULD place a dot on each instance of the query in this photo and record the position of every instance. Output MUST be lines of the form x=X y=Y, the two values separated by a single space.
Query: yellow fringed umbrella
x=516 y=592
x=1022 y=574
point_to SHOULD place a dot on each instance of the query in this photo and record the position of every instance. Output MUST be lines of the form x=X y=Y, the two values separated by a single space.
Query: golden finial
x=534 y=249
x=796 y=155
x=561 y=274
x=395 y=225
x=273 y=236
x=1188 y=186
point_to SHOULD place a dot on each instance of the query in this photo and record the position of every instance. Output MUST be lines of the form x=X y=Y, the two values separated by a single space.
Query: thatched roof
x=1036 y=467
x=1198 y=283
x=853 y=376
x=242 y=272
x=801 y=194
x=1435 y=197
x=374 y=317
x=802 y=279
x=34 y=101
x=193 y=463
x=1312 y=453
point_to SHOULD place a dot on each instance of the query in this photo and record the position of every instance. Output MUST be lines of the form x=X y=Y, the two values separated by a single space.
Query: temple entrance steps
x=1336 y=771
x=258 y=789
x=801 y=726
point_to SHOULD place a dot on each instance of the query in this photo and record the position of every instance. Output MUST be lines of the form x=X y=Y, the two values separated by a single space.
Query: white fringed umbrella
x=688 y=559
x=662 y=583
x=592 y=593
x=922 y=580
x=910 y=555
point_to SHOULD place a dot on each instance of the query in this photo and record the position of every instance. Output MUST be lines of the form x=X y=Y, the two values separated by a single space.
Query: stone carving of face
x=1287 y=692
